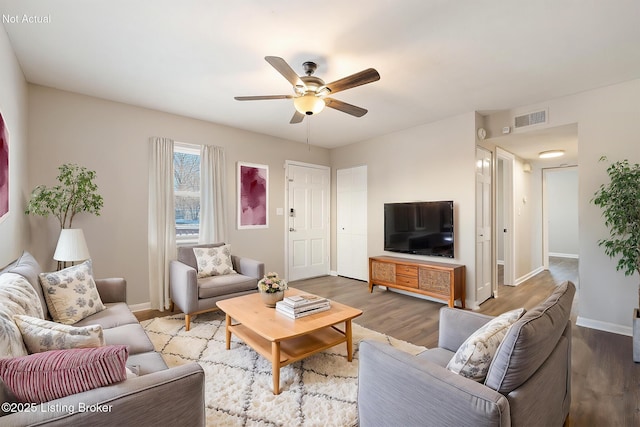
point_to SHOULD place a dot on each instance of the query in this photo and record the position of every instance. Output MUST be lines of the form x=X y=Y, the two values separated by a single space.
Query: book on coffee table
x=298 y=312
x=305 y=300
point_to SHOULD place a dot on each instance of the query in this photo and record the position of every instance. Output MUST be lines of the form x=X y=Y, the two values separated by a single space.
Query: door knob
x=292 y=229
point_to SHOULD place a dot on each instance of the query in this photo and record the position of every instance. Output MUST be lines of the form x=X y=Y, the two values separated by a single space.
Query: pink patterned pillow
x=42 y=377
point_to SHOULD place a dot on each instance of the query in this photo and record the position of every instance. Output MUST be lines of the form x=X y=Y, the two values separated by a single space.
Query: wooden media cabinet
x=435 y=279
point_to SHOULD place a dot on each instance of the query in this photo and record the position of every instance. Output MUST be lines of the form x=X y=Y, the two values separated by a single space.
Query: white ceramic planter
x=636 y=335
x=271 y=298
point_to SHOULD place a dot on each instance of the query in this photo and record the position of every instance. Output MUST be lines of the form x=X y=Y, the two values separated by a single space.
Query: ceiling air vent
x=535 y=118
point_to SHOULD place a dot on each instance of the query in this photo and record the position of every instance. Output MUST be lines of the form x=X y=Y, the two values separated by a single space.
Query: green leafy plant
x=620 y=203
x=76 y=193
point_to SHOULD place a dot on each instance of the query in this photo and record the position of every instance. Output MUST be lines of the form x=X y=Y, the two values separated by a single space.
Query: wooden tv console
x=435 y=279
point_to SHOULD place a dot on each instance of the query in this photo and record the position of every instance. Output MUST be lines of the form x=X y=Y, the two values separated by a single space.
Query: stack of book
x=302 y=305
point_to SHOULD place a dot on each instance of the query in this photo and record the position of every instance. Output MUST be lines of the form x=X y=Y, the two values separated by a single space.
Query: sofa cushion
x=132 y=336
x=17 y=297
x=437 y=355
x=530 y=341
x=71 y=293
x=186 y=255
x=115 y=314
x=42 y=335
x=214 y=261
x=42 y=377
x=28 y=267
x=473 y=358
x=215 y=286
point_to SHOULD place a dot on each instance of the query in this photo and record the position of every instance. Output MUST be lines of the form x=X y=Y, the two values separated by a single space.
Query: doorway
x=505 y=231
x=308 y=220
x=484 y=272
x=560 y=215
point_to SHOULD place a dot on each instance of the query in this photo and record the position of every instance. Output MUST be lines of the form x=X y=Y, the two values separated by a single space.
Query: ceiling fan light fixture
x=550 y=154
x=309 y=104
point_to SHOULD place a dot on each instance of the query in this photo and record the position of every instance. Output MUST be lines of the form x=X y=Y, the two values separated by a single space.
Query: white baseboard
x=528 y=276
x=140 y=307
x=604 y=326
x=561 y=255
x=333 y=273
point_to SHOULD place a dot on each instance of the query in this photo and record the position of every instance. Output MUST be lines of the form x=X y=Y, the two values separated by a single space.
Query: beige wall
x=112 y=139
x=430 y=162
x=13 y=106
x=527 y=222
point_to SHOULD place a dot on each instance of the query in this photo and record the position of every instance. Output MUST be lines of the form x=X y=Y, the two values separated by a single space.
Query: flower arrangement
x=271 y=283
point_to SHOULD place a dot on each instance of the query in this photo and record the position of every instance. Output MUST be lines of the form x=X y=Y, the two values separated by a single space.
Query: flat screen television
x=421 y=228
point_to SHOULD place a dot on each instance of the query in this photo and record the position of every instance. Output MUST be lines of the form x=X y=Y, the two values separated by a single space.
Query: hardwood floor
x=605 y=380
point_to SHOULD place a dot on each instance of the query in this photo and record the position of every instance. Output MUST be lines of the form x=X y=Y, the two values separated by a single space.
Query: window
x=186 y=180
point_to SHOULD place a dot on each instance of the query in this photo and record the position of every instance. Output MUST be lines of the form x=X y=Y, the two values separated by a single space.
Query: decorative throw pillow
x=214 y=261
x=41 y=335
x=473 y=358
x=17 y=296
x=42 y=377
x=71 y=293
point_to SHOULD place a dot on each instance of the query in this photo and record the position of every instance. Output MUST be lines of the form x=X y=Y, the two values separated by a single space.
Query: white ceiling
x=529 y=145
x=436 y=58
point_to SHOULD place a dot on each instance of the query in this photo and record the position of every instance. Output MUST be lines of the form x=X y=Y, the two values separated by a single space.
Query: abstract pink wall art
x=4 y=170
x=253 y=196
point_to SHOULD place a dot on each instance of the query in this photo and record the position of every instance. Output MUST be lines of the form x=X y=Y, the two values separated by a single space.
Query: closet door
x=351 y=213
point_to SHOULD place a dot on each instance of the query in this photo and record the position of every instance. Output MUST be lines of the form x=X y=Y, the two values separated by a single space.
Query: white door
x=351 y=214
x=308 y=220
x=506 y=233
x=483 y=225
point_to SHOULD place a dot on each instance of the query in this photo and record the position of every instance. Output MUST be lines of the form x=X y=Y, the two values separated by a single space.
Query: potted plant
x=272 y=288
x=75 y=193
x=620 y=203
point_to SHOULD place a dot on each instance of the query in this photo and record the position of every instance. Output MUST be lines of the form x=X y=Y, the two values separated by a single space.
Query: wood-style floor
x=605 y=380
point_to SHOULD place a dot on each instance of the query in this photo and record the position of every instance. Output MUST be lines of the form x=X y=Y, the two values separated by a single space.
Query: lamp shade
x=71 y=246
x=309 y=104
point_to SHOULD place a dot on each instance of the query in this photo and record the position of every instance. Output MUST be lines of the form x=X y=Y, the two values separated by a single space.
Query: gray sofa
x=528 y=382
x=158 y=396
x=195 y=296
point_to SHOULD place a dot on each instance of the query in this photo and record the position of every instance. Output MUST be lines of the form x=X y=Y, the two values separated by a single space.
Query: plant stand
x=636 y=335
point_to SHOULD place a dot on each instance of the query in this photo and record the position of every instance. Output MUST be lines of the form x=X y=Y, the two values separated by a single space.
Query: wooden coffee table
x=284 y=340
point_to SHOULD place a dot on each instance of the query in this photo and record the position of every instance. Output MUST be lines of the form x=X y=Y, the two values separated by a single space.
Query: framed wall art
x=4 y=170
x=253 y=196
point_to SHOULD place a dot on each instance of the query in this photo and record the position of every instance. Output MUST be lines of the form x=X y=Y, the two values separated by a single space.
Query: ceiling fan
x=311 y=92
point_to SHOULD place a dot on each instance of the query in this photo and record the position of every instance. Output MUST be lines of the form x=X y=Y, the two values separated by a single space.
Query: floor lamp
x=71 y=247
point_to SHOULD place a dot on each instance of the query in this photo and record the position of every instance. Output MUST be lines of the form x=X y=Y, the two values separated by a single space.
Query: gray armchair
x=528 y=382
x=195 y=296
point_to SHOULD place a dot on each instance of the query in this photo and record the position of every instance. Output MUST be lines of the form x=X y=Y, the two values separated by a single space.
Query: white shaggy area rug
x=320 y=390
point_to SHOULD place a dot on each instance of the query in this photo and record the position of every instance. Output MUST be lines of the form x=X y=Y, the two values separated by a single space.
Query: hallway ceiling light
x=551 y=154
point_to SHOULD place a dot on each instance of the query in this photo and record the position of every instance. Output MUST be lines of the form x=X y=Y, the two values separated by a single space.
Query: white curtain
x=213 y=223
x=162 y=234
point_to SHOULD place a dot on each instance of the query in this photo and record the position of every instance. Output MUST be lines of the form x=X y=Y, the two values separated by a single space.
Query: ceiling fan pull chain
x=308 y=132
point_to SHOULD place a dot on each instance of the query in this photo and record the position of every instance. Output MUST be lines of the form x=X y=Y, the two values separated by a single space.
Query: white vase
x=271 y=298
x=636 y=335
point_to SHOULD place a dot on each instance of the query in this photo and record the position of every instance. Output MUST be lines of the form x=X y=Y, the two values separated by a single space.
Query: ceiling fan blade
x=283 y=68
x=358 y=79
x=259 y=98
x=344 y=107
x=297 y=118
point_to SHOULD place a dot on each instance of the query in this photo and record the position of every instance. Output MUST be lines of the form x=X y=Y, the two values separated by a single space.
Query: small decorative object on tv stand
x=435 y=279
